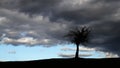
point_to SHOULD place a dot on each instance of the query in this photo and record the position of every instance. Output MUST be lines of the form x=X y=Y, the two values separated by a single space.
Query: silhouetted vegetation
x=78 y=35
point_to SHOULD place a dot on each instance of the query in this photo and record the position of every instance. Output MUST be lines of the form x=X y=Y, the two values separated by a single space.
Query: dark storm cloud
x=106 y=35
x=37 y=6
x=30 y=6
x=9 y=4
x=19 y=28
x=52 y=19
x=85 y=14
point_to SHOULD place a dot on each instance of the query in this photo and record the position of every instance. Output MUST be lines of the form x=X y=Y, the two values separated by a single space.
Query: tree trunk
x=77 y=52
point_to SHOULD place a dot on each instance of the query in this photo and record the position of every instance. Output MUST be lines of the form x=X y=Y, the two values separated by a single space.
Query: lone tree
x=78 y=35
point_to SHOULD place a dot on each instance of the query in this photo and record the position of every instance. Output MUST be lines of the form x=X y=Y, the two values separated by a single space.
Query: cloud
x=84 y=49
x=26 y=41
x=40 y=28
x=30 y=6
x=2 y=60
x=72 y=55
x=66 y=55
x=12 y=52
x=111 y=55
x=50 y=19
x=86 y=52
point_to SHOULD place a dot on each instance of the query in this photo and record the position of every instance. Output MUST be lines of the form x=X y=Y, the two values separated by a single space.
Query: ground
x=65 y=62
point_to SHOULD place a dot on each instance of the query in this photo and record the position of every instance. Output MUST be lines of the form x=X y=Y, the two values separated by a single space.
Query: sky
x=43 y=23
x=23 y=53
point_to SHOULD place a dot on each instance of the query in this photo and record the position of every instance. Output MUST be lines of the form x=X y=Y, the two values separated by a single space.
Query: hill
x=67 y=62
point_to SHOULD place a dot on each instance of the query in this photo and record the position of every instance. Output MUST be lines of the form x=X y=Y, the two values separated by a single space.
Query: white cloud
x=26 y=40
x=3 y=60
x=80 y=49
x=72 y=55
x=107 y=55
x=66 y=55
x=111 y=55
x=2 y=19
x=86 y=49
x=85 y=52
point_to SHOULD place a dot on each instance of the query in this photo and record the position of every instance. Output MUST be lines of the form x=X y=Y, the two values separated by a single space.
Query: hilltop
x=66 y=61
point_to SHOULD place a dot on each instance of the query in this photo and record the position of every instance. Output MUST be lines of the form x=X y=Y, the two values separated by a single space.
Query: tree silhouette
x=78 y=35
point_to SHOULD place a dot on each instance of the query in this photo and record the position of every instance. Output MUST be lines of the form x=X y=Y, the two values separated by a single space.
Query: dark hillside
x=65 y=62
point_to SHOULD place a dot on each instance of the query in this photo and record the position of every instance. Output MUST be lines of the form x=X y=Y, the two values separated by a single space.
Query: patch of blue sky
x=23 y=53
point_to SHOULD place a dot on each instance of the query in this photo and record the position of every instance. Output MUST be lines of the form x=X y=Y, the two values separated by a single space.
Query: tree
x=77 y=36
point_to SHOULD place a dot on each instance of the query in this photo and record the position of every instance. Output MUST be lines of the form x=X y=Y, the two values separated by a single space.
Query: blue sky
x=23 y=53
